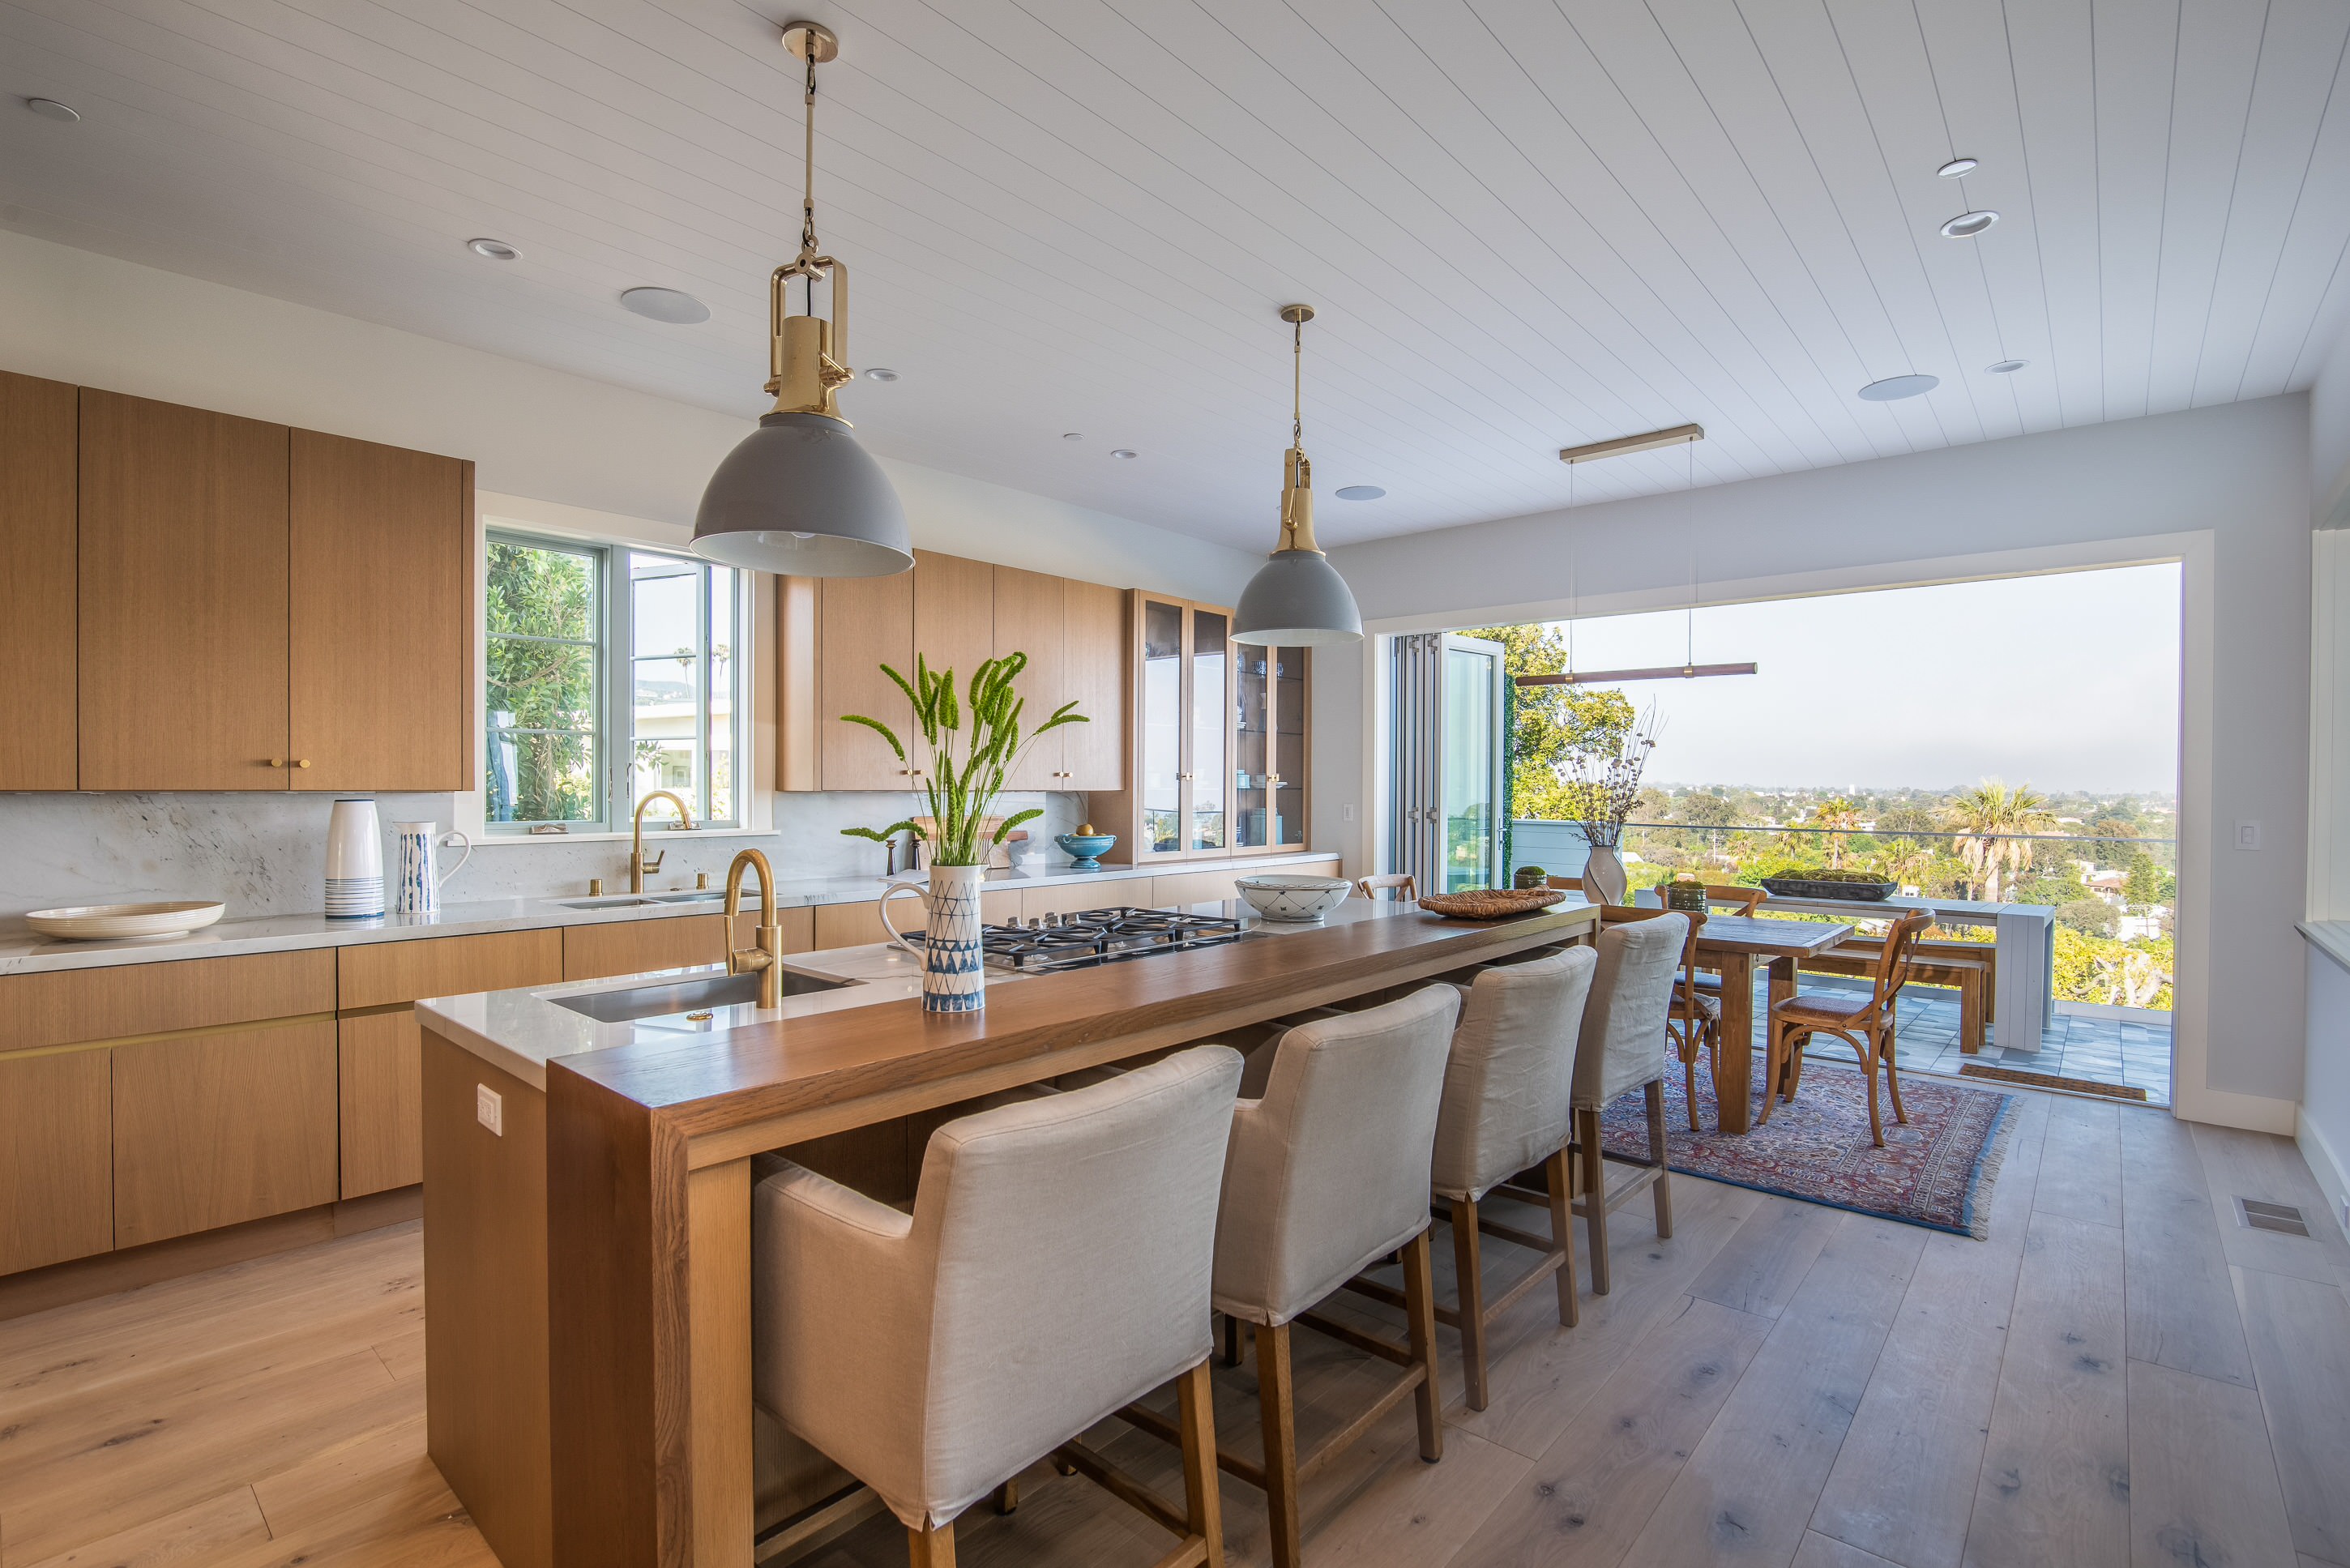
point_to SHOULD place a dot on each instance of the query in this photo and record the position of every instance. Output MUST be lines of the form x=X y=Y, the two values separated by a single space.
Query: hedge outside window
x=612 y=671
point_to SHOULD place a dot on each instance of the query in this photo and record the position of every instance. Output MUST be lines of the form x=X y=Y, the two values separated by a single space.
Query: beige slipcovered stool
x=1507 y=1108
x=1057 y=1266
x=1623 y=1046
x=1328 y=1172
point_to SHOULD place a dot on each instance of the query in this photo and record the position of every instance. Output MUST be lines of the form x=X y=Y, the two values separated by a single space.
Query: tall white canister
x=354 y=862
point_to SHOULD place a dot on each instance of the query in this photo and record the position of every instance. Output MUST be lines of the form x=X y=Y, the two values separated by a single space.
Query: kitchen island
x=597 y=1245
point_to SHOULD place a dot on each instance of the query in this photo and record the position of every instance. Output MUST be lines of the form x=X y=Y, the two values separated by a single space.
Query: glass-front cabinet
x=1219 y=739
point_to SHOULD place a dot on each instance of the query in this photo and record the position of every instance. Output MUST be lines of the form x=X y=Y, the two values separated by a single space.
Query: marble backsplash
x=265 y=855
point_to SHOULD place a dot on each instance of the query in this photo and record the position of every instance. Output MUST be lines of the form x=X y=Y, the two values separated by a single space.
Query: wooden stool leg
x=1420 y=1314
x=1663 y=1191
x=1007 y=1497
x=1594 y=1194
x=1204 y=1505
x=1467 y=1268
x=1562 y=1235
x=931 y=1548
x=1277 y=1400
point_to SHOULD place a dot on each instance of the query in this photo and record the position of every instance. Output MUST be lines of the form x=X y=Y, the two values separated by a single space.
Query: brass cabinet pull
x=303 y=763
x=278 y=761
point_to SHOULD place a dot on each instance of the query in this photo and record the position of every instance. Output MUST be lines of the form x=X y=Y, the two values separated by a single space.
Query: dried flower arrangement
x=1602 y=786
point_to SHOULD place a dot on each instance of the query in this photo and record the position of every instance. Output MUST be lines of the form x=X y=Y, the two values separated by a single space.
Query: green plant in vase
x=968 y=740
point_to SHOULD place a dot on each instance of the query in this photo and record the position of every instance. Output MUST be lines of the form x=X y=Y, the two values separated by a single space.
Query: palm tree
x=1838 y=815
x=1991 y=821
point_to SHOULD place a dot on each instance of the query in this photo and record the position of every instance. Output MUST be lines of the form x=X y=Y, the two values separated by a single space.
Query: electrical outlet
x=490 y=1108
x=2248 y=836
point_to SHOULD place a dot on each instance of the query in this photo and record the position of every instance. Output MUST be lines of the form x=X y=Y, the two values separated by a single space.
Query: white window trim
x=756 y=632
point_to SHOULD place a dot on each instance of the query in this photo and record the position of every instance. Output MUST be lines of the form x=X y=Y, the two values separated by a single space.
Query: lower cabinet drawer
x=1194 y=887
x=382 y=1098
x=635 y=947
x=213 y=1130
x=56 y=1141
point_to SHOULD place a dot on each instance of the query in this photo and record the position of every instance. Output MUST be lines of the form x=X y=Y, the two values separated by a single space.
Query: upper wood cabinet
x=182 y=638
x=196 y=601
x=381 y=617
x=38 y=488
x=836 y=634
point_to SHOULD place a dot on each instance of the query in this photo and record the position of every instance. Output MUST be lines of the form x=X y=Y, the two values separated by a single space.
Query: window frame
x=614 y=660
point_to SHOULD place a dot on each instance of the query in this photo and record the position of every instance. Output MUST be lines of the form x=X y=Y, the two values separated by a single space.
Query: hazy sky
x=2068 y=681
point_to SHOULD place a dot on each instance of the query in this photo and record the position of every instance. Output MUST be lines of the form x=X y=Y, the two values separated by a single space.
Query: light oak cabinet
x=835 y=635
x=182 y=595
x=56 y=1155
x=38 y=490
x=380 y=1110
x=381 y=633
x=196 y=601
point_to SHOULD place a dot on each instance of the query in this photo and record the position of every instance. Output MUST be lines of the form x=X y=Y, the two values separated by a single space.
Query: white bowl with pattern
x=1301 y=900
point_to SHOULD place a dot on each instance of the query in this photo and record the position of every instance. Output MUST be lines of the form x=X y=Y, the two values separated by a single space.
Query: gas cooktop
x=1101 y=936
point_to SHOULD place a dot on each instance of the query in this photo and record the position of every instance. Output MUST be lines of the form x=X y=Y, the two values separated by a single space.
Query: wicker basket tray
x=1490 y=903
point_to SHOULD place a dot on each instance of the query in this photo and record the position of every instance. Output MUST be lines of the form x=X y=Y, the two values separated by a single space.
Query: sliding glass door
x=1445 y=769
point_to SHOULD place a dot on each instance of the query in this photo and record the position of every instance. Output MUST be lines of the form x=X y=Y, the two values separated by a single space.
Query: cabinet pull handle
x=303 y=763
x=278 y=761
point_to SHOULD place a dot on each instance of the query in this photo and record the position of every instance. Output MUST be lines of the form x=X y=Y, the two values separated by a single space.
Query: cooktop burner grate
x=1101 y=936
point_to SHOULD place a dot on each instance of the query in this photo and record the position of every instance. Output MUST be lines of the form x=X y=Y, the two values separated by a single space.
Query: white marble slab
x=24 y=952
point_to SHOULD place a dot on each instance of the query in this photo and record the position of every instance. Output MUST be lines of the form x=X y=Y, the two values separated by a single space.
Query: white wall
x=73 y=316
x=2227 y=485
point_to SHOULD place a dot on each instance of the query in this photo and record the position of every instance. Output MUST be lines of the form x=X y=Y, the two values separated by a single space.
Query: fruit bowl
x=1301 y=900
x=1086 y=849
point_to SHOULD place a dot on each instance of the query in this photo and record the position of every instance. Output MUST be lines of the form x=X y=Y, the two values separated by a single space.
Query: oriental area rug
x=1936 y=1171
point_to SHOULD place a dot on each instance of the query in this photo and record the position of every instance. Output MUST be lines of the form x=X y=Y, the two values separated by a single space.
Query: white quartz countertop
x=521 y=1031
x=22 y=952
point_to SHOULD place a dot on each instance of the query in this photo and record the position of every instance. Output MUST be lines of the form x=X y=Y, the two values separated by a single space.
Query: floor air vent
x=2281 y=1218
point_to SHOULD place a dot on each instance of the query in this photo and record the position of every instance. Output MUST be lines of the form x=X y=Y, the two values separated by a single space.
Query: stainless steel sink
x=703 y=895
x=715 y=990
x=625 y=902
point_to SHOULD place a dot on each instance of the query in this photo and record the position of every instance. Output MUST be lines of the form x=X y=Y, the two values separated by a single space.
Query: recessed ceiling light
x=1967 y=226
x=1073 y=435
x=1359 y=493
x=1893 y=389
x=1957 y=168
x=1122 y=452
x=880 y=373
x=669 y=304
x=2007 y=366
x=51 y=108
x=493 y=250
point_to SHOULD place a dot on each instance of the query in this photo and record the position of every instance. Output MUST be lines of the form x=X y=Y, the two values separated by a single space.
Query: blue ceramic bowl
x=1086 y=849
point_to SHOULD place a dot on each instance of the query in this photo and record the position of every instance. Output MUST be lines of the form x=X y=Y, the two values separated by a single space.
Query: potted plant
x=1530 y=877
x=970 y=741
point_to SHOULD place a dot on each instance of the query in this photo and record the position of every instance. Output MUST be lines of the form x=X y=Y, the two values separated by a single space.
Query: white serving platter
x=114 y=922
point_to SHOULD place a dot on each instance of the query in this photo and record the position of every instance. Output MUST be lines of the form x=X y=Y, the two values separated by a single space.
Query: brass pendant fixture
x=1298 y=599
x=799 y=495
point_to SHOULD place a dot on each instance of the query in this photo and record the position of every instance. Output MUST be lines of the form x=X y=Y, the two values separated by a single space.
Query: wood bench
x=1966 y=967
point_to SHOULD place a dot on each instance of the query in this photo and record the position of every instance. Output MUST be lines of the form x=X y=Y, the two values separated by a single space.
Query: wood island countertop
x=626 y=1276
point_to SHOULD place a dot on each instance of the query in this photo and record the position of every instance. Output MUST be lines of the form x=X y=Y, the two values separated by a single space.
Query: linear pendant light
x=798 y=495
x=1298 y=599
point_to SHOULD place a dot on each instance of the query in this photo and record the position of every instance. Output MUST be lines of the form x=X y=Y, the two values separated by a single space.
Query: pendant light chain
x=808 y=192
x=1297 y=384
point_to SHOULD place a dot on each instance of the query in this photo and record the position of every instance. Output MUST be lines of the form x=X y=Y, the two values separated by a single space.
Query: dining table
x=1731 y=946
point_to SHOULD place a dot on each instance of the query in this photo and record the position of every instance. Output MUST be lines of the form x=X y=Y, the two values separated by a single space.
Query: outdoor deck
x=2107 y=1045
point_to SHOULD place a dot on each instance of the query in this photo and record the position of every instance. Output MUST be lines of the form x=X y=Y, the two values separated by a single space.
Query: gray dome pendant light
x=798 y=496
x=1298 y=599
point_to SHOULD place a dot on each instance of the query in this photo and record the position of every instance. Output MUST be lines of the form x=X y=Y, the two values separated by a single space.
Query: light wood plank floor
x=2121 y=1374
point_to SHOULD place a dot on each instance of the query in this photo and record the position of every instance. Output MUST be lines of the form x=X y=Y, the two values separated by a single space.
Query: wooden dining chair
x=1407 y=890
x=1863 y=1023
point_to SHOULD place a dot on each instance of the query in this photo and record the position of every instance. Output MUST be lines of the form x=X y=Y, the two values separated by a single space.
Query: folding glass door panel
x=1445 y=779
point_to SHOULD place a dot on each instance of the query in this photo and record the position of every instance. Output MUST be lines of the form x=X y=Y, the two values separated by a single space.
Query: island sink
x=634 y=1002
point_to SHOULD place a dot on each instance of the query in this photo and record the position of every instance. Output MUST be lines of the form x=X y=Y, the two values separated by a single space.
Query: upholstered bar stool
x=1623 y=1046
x=1328 y=1171
x=1057 y=1266
x=1507 y=1108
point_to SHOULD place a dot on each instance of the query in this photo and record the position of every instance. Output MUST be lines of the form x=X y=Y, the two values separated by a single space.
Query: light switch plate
x=1345 y=813
x=490 y=1108
x=2248 y=836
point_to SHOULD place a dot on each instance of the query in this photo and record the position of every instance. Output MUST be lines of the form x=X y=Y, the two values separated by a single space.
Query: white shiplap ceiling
x=1527 y=223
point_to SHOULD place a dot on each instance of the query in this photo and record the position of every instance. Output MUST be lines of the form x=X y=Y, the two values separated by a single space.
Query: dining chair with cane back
x=1863 y=1023
x=1406 y=888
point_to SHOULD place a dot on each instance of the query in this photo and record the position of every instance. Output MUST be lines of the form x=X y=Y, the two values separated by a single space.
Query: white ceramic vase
x=954 y=970
x=1604 y=881
x=354 y=862
x=417 y=881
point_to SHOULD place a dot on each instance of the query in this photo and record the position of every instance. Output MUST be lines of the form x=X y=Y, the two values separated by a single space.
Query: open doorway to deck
x=2006 y=751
